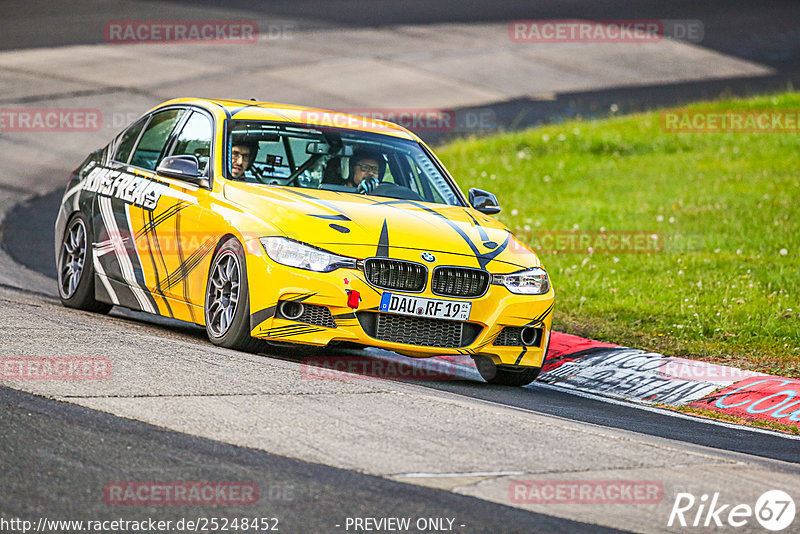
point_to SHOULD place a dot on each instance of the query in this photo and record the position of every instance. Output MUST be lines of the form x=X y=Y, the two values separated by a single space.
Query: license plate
x=424 y=307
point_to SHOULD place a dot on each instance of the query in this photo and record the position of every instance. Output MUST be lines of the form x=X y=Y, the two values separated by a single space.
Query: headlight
x=530 y=282
x=295 y=254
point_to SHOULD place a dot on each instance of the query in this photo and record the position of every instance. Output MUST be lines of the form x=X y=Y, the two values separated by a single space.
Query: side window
x=127 y=140
x=155 y=137
x=195 y=139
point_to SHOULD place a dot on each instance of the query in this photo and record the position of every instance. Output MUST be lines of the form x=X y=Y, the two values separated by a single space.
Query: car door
x=135 y=210
x=193 y=245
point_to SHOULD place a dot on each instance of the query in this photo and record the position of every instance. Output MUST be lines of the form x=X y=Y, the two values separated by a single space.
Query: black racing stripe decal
x=102 y=245
x=187 y=266
x=485 y=343
x=315 y=200
x=383 y=242
x=152 y=223
x=157 y=244
x=345 y=319
x=260 y=316
x=521 y=354
x=100 y=291
x=481 y=229
x=248 y=104
x=301 y=298
x=291 y=330
x=541 y=318
x=121 y=216
x=483 y=258
x=300 y=333
x=124 y=294
x=396 y=203
x=452 y=225
x=337 y=217
x=150 y=252
x=287 y=328
x=176 y=277
x=244 y=107
x=224 y=109
x=270 y=107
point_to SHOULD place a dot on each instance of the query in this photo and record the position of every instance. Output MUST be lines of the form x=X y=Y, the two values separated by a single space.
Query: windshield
x=335 y=160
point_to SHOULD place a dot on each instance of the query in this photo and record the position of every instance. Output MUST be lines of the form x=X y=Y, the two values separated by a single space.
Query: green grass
x=725 y=285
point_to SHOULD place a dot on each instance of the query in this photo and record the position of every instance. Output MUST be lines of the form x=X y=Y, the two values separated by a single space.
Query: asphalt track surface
x=81 y=450
x=763 y=31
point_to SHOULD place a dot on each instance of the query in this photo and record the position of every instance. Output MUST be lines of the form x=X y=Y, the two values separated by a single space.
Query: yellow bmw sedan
x=263 y=221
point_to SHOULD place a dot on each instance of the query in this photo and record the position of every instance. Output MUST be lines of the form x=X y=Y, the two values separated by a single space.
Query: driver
x=367 y=168
x=243 y=154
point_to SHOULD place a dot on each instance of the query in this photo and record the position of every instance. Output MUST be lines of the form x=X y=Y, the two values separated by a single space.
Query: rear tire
x=76 y=268
x=227 y=302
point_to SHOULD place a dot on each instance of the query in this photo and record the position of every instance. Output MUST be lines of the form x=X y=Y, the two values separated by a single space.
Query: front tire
x=509 y=375
x=227 y=302
x=505 y=375
x=76 y=268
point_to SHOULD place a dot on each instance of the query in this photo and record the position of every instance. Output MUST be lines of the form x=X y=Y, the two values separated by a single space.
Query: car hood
x=375 y=225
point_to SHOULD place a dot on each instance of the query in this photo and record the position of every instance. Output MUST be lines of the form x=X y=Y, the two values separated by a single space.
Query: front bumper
x=328 y=317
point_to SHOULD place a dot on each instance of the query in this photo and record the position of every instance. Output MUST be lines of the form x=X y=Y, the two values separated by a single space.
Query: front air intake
x=460 y=282
x=396 y=275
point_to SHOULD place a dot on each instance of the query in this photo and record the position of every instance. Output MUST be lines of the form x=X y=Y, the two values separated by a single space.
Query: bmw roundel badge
x=427 y=256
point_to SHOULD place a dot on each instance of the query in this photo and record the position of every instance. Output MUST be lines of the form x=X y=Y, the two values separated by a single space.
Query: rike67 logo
x=774 y=510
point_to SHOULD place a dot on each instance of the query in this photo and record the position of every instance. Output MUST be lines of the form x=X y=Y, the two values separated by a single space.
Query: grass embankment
x=724 y=286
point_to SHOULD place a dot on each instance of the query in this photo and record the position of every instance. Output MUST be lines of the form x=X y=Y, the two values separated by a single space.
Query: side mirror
x=185 y=168
x=483 y=201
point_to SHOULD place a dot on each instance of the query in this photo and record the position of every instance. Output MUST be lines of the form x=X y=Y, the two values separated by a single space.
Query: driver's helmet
x=367 y=153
